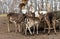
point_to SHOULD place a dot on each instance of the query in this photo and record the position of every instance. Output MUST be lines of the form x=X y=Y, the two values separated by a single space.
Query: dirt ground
x=4 y=34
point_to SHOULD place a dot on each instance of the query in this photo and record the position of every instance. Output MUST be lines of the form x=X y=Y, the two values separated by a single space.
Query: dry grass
x=2 y=15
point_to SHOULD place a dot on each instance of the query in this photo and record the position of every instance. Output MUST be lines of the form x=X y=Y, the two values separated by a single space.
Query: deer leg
x=29 y=30
x=54 y=26
x=44 y=26
x=33 y=29
x=37 y=28
x=28 y=27
x=48 y=23
x=48 y=29
x=19 y=27
x=26 y=31
x=9 y=27
x=16 y=27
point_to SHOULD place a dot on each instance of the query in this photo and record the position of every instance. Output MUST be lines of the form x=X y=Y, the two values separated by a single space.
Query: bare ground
x=4 y=34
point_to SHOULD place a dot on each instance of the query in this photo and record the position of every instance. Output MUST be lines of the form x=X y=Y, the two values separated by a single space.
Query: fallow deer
x=15 y=18
x=32 y=21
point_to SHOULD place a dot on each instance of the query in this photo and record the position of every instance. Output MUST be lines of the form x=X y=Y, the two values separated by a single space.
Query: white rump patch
x=24 y=11
x=43 y=12
x=36 y=14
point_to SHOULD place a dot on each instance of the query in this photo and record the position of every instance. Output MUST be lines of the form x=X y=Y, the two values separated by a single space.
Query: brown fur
x=32 y=21
x=50 y=19
x=15 y=18
x=21 y=5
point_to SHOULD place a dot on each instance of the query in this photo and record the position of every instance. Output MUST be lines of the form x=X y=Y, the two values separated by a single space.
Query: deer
x=32 y=21
x=16 y=19
x=50 y=19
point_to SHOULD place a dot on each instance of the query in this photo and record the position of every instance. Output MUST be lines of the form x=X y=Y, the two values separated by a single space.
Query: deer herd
x=32 y=20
